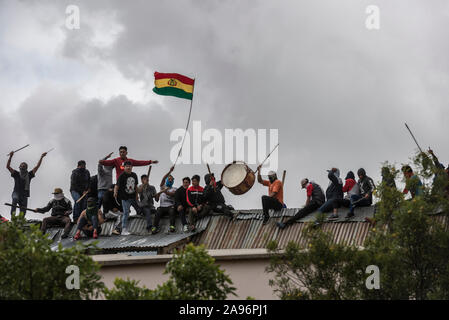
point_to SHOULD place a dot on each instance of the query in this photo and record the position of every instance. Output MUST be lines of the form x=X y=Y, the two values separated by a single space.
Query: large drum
x=238 y=177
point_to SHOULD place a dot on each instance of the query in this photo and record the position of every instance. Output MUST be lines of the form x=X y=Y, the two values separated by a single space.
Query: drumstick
x=21 y=207
x=267 y=157
x=50 y=150
x=19 y=149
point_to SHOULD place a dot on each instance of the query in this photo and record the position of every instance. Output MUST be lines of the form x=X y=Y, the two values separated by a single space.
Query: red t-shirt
x=117 y=163
x=309 y=189
x=349 y=183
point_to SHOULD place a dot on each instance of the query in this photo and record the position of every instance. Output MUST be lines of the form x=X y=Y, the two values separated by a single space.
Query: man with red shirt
x=275 y=198
x=118 y=162
x=315 y=199
x=195 y=201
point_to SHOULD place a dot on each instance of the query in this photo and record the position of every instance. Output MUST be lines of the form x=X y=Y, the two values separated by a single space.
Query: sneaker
x=281 y=225
x=172 y=229
x=185 y=228
x=125 y=232
x=265 y=220
x=154 y=230
x=116 y=232
x=77 y=235
x=333 y=217
x=95 y=235
x=349 y=215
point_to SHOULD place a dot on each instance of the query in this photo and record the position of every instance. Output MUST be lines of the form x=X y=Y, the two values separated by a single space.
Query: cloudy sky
x=338 y=93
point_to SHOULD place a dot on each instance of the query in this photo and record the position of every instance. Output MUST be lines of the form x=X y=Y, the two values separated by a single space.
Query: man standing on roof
x=126 y=190
x=104 y=180
x=79 y=186
x=365 y=199
x=119 y=163
x=61 y=208
x=22 y=179
x=412 y=182
x=166 y=198
x=275 y=198
x=315 y=199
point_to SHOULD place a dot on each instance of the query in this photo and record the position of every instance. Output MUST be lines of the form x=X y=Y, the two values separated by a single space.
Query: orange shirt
x=276 y=186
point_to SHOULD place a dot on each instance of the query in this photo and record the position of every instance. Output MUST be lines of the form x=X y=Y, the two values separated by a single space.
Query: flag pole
x=187 y=126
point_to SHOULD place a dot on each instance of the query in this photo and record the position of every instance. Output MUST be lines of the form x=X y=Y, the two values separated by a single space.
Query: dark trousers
x=327 y=206
x=358 y=201
x=147 y=212
x=194 y=217
x=337 y=203
x=57 y=221
x=270 y=203
x=219 y=208
x=84 y=225
x=182 y=213
x=311 y=207
x=164 y=211
x=18 y=200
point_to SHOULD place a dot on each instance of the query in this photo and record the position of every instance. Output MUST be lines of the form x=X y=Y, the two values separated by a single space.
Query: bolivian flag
x=173 y=84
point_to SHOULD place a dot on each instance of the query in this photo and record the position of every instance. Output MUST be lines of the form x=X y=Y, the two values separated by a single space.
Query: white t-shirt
x=166 y=200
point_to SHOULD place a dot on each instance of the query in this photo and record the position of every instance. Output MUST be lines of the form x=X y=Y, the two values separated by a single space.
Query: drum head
x=234 y=175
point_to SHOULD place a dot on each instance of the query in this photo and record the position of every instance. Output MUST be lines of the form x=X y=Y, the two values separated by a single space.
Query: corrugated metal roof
x=139 y=239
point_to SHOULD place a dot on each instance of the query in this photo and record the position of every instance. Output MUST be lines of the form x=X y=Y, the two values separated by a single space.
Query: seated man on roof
x=90 y=220
x=166 y=198
x=195 y=202
x=365 y=198
x=213 y=198
x=61 y=208
x=334 y=190
x=275 y=198
x=315 y=199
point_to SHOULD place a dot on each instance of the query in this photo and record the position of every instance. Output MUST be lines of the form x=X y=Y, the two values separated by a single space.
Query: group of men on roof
x=96 y=198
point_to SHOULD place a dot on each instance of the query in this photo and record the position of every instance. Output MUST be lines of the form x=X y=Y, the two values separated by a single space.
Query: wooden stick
x=208 y=169
x=149 y=171
x=10 y=205
x=81 y=198
x=267 y=157
x=50 y=150
x=283 y=177
x=413 y=137
x=19 y=149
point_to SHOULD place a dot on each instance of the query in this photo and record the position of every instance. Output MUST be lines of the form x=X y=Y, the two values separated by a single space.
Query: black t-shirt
x=180 y=197
x=127 y=184
x=19 y=183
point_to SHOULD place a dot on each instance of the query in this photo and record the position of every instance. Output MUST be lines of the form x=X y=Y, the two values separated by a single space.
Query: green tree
x=408 y=244
x=31 y=270
x=193 y=276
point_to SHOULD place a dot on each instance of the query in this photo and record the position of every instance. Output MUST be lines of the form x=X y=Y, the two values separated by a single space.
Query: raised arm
x=166 y=176
x=8 y=164
x=259 y=177
x=39 y=163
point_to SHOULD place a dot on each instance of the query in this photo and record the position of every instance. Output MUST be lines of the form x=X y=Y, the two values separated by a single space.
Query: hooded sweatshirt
x=194 y=196
x=351 y=187
x=213 y=196
x=335 y=188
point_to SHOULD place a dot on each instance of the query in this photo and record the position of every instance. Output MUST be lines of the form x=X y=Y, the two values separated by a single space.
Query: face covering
x=169 y=183
x=272 y=179
x=59 y=196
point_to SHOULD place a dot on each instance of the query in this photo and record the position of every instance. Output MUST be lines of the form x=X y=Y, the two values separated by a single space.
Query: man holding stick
x=79 y=187
x=275 y=198
x=22 y=179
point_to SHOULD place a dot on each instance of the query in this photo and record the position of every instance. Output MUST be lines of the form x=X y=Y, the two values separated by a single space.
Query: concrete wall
x=246 y=269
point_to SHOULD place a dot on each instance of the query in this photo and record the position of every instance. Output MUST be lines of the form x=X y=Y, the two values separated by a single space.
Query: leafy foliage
x=408 y=244
x=31 y=270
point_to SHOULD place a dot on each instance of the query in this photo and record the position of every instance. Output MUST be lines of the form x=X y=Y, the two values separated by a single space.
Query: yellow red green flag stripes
x=173 y=84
